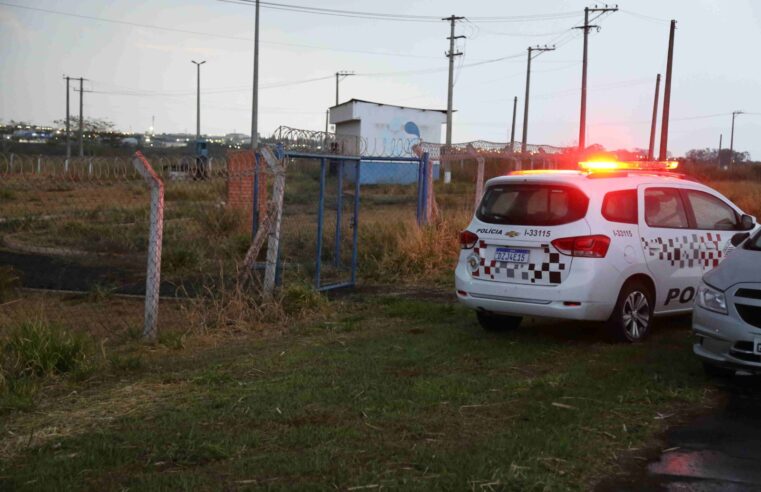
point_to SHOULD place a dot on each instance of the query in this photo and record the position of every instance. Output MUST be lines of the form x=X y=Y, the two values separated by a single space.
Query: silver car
x=727 y=314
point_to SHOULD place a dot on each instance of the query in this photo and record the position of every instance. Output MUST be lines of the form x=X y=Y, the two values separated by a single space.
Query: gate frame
x=421 y=212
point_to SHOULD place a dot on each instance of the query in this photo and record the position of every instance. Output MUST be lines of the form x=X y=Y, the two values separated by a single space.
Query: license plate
x=757 y=345
x=512 y=255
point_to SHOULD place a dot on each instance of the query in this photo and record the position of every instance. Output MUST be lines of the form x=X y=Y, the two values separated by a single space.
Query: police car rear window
x=532 y=204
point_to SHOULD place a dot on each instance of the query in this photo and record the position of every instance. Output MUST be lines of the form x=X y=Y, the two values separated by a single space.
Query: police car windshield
x=532 y=204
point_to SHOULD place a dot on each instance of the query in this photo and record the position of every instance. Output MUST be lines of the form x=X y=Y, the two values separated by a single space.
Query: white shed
x=384 y=127
x=387 y=131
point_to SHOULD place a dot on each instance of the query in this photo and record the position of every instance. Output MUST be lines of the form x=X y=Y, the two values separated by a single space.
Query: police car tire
x=497 y=322
x=616 y=325
x=713 y=371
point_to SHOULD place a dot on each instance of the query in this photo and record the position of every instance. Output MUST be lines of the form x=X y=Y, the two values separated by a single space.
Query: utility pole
x=68 y=132
x=198 y=97
x=512 y=130
x=528 y=86
x=255 y=98
x=663 y=155
x=451 y=54
x=651 y=148
x=586 y=27
x=81 y=119
x=719 y=154
x=339 y=77
x=732 y=140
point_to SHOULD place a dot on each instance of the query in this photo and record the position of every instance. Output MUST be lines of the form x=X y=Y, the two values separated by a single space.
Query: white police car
x=615 y=242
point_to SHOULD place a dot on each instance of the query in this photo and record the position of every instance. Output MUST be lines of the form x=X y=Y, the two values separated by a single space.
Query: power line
x=398 y=17
x=212 y=35
x=645 y=17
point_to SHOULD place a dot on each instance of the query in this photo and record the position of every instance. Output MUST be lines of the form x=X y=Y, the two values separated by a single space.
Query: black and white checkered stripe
x=547 y=272
x=687 y=251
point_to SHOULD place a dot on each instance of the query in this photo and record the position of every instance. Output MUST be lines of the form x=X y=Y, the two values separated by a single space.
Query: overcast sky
x=137 y=71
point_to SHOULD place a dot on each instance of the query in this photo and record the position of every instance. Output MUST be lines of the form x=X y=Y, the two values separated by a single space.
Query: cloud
x=173 y=48
x=11 y=24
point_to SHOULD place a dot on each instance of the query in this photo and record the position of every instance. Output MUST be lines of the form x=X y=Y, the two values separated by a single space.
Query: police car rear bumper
x=718 y=335
x=584 y=295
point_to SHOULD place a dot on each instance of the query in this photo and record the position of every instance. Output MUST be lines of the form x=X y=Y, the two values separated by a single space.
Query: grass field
x=391 y=390
x=390 y=387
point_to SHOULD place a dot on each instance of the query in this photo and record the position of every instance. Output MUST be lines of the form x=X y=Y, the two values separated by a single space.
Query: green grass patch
x=36 y=350
x=391 y=392
x=7 y=195
x=10 y=280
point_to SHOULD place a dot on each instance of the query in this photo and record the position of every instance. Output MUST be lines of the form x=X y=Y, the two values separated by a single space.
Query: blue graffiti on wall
x=411 y=128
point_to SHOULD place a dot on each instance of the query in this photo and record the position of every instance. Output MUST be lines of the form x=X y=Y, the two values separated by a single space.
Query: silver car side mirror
x=746 y=222
x=738 y=238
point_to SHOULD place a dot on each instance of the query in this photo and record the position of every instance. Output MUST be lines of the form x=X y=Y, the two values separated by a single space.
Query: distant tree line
x=711 y=156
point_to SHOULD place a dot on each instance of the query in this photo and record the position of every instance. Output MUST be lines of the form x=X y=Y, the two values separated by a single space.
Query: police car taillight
x=583 y=246
x=468 y=239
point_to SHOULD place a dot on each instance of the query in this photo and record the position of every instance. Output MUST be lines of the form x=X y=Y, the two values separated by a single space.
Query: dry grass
x=393 y=250
x=745 y=194
x=78 y=414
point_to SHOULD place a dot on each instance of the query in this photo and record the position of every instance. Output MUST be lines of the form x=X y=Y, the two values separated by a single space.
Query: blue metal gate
x=333 y=225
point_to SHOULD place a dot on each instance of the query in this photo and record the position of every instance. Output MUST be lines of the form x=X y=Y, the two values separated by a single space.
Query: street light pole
x=198 y=97
x=339 y=77
x=255 y=98
x=531 y=49
x=732 y=139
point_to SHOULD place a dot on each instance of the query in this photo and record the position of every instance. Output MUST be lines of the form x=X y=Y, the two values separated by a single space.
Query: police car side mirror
x=747 y=223
x=738 y=238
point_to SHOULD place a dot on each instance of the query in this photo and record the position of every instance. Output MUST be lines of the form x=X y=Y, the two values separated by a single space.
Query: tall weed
x=402 y=251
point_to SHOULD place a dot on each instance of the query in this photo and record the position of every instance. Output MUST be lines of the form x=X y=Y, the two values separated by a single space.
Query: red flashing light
x=468 y=240
x=610 y=165
x=524 y=172
x=583 y=246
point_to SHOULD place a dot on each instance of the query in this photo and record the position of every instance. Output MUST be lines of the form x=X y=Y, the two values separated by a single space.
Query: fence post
x=39 y=164
x=11 y=164
x=355 y=225
x=339 y=214
x=320 y=215
x=479 y=180
x=428 y=188
x=255 y=225
x=277 y=163
x=156 y=234
x=420 y=174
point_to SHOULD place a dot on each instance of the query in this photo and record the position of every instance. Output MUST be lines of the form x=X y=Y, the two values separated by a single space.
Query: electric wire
x=212 y=35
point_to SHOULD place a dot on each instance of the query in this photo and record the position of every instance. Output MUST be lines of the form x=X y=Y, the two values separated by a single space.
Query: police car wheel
x=495 y=322
x=713 y=371
x=633 y=314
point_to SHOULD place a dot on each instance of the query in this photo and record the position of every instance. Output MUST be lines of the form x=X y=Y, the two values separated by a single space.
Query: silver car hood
x=741 y=265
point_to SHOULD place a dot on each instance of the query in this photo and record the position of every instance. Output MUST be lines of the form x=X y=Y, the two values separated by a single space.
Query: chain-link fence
x=96 y=242
x=83 y=237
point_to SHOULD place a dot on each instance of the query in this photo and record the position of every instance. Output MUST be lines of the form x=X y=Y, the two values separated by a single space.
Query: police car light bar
x=524 y=172
x=592 y=166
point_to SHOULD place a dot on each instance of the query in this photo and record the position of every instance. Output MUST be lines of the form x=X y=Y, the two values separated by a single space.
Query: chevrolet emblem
x=512 y=233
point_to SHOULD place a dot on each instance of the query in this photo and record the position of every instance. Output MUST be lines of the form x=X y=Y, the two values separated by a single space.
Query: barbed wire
x=94 y=170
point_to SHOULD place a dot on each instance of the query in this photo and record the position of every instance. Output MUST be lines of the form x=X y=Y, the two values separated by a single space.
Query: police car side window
x=711 y=213
x=664 y=208
x=620 y=206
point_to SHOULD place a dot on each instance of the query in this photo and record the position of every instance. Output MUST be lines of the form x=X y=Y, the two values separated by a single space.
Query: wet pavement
x=721 y=451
